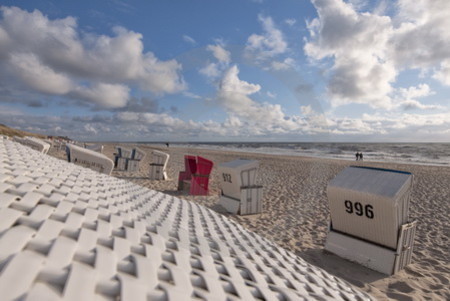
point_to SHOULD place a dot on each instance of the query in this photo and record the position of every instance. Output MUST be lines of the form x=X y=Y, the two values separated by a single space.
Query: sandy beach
x=296 y=215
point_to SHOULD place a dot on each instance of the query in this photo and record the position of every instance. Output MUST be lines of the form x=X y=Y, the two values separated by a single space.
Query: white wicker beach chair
x=34 y=143
x=67 y=232
x=240 y=194
x=369 y=217
x=159 y=165
x=89 y=158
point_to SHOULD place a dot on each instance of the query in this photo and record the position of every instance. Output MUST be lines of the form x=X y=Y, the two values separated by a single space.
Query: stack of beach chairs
x=240 y=194
x=128 y=159
x=67 y=232
x=159 y=165
x=369 y=218
x=89 y=158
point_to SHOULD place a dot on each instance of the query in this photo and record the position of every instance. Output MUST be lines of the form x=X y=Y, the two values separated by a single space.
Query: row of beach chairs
x=368 y=206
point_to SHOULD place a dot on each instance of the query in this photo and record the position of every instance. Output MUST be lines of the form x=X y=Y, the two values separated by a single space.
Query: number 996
x=359 y=209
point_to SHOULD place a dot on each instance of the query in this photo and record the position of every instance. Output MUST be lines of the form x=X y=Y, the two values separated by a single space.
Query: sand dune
x=296 y=216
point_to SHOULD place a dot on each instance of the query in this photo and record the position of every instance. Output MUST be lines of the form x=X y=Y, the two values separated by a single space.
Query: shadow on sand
x=356 y=274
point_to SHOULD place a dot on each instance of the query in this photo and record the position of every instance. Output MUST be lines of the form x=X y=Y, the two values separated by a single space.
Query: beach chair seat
x=159 y=165
x=239 y=192
x=89 y=158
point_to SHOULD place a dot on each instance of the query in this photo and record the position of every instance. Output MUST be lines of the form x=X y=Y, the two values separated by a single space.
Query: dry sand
x=296 y=216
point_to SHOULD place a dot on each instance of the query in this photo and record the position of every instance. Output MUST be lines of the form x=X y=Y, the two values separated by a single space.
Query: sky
x=231 y=70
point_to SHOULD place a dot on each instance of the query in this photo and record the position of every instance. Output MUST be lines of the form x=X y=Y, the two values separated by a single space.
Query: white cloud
x=283 y=65
x=220 y=53
x=443 y=73
x=189 y=39
x=270 y=44
x=104 y=95
x=259 y=119
x=38 y=76
x=214 y=69
x=368 y=51
x=55 y=57
x=290 y=22
x=271 y=95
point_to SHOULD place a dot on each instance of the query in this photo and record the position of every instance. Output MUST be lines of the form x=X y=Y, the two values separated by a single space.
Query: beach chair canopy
x=67 y=232
x=370 y=203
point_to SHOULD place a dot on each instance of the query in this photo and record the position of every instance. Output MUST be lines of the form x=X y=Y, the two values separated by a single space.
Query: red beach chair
x=190 y=167
x=200 y=179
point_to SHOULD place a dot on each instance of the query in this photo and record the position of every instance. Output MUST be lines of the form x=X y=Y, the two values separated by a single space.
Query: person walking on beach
x=361 y=156
x=357 y=156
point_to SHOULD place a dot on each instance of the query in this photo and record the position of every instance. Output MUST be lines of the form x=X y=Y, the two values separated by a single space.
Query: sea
x=411 y=153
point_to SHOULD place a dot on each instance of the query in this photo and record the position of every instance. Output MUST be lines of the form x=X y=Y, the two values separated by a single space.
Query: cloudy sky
x=234 y=70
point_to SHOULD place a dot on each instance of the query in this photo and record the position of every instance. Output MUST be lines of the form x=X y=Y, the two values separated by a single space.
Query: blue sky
x=247 y=70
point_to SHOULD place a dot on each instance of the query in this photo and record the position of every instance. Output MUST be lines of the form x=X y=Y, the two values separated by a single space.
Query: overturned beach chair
x=240 y=194
x=159 y=165
x=34 y=143
x=69 y=233
x=195 y=178
x=89 y=158
x=369 y=218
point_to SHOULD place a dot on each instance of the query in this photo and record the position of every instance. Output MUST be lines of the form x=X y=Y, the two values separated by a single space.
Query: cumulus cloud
x=55 y=57
x=38 y=76
x=214 y=69
x=260 y=118
x=269 y=44
x=368 y=50
x=104 y=95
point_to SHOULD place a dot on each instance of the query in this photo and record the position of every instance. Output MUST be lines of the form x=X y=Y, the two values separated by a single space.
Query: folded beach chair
x=34 y=143
x=190 y=167
x=240 y=194
x=89 y=158
x=159 y=165
x=369 y=217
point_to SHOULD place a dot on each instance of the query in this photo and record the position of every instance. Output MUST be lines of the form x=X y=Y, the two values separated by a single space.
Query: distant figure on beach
x=359 y=156
x=167 y=144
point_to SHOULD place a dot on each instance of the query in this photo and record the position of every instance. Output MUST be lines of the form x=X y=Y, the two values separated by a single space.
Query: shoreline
x=296 y=215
